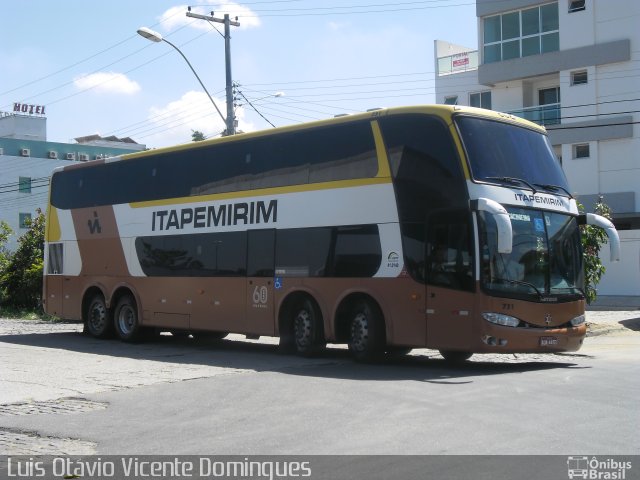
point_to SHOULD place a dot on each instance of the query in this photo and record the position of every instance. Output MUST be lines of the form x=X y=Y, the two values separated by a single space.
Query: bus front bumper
x=499 y=339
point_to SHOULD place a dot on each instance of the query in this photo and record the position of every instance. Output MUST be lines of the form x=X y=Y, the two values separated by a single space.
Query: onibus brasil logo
x=594 y=468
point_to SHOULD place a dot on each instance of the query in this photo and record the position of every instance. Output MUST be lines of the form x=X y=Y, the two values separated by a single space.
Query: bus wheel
x=126 y=320
x=98 y=318
x=454 y=356
x=366 y=332
x=308 y=333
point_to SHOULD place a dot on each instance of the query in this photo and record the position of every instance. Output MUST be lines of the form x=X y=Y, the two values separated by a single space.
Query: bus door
x=450 y=284
x=260 y=304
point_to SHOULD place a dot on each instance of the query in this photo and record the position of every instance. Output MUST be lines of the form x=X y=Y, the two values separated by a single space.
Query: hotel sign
x=28 y=109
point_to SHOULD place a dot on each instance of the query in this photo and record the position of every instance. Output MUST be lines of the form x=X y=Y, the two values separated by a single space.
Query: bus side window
x=261 y=253
x=449 y=253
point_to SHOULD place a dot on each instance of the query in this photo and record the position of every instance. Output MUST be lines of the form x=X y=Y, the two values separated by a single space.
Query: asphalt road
x=62 y=392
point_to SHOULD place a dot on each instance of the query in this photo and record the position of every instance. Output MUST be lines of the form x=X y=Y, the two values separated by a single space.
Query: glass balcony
x=542 y=115
x=461 y=62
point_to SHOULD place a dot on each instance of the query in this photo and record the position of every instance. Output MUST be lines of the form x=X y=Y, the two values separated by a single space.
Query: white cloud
x=107 y=82
x=176 y=17
x=338 y=25
x=175 y=121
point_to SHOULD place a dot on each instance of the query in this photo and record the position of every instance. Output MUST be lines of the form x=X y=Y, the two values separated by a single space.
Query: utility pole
x=231 y=117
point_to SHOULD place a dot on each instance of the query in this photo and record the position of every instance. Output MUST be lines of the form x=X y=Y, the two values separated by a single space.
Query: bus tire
x=98 y=321
x=126 y=320
x=455 y=356
x=366 y=332
x=308 y=331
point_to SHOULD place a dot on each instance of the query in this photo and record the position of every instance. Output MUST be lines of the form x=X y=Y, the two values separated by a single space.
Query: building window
x=24 y=184
x=480 y=100
x=579 y=78
x=581 y=150
x=24 y=220
x=521 y=33
x=576 y=5
x=548 y=96
x=452 y=100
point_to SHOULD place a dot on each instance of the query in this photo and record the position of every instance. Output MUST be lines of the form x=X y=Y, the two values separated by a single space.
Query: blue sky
x=85 y=63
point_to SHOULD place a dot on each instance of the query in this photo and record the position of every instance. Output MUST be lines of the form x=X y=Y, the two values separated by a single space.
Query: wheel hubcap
x=359 y=332
x=97 y=316
x=302 y=328
x=126 y=319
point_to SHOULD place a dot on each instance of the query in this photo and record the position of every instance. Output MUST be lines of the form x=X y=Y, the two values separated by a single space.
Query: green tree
x=5 y=233
x=21 y=275
x=197 y=136
x=593 y=238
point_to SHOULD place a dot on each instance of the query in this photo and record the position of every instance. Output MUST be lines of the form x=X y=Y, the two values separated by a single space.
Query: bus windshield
x=504 y=152
x=546 y=258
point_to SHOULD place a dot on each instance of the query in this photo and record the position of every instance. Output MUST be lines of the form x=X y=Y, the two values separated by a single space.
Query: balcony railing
x=460 y=62
x=543 y=115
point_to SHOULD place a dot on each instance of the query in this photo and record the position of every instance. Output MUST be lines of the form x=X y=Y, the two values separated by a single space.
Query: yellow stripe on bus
x=383 y=160
x=260 y=192
x=53 y=225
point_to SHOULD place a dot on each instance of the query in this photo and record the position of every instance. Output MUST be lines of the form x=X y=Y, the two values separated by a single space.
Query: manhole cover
x=61 y=406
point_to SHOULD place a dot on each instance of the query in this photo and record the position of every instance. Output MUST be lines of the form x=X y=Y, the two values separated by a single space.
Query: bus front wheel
x=126 y=321
x=98 y=318
x=308 y=334
x=366 y=332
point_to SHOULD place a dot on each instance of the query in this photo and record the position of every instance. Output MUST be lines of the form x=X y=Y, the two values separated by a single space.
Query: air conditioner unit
x=70 y=156
x=53 y=154
x=25 y=152
x=83 y=157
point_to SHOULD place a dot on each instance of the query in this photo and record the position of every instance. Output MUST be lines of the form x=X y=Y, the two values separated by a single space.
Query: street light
x=273 y=95
x=156 y=37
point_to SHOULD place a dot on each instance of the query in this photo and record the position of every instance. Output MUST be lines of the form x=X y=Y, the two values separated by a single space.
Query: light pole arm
x=201 y=84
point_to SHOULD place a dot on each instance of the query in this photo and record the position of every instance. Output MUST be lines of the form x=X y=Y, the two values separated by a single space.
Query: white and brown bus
x=443 y=227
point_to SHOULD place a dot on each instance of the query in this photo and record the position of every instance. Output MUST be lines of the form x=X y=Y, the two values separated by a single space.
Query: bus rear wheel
x=366 y=332
x=126 y=320
x=308 y=331
x=455 y=356
x=98 y=318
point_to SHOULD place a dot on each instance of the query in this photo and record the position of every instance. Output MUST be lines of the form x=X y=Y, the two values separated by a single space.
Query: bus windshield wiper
x=520 y=282
x=513 y=180
x=548 y=186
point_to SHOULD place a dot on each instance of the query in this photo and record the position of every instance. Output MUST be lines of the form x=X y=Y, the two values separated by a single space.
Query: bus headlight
x=501 y=319
x=579 y=320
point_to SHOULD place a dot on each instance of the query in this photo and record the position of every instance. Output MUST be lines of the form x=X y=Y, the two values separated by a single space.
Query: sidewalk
x=613 y=322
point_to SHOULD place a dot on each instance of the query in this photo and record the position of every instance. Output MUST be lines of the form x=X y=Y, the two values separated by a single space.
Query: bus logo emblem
x=547 y=318
x=94 y=225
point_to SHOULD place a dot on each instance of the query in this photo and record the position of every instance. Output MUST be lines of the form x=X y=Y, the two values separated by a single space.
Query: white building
x=27 y=160
x=573 y=66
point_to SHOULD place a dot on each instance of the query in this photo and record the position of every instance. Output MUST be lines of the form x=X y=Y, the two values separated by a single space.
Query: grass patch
x=26 y=314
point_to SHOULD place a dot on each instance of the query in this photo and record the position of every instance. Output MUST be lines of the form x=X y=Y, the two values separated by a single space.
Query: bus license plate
x=546 y=341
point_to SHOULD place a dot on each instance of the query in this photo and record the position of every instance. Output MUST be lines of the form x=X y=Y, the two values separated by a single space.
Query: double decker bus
x=443 y=227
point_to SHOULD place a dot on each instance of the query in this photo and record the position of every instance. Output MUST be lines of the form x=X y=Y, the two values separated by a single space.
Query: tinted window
x=352 y=251
x=427 y=177
x=337 y=152
x=449 y=250
x=302 y=252
x=260 y=259
x=357 y=252
x=497 y=149
x=207 y=254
